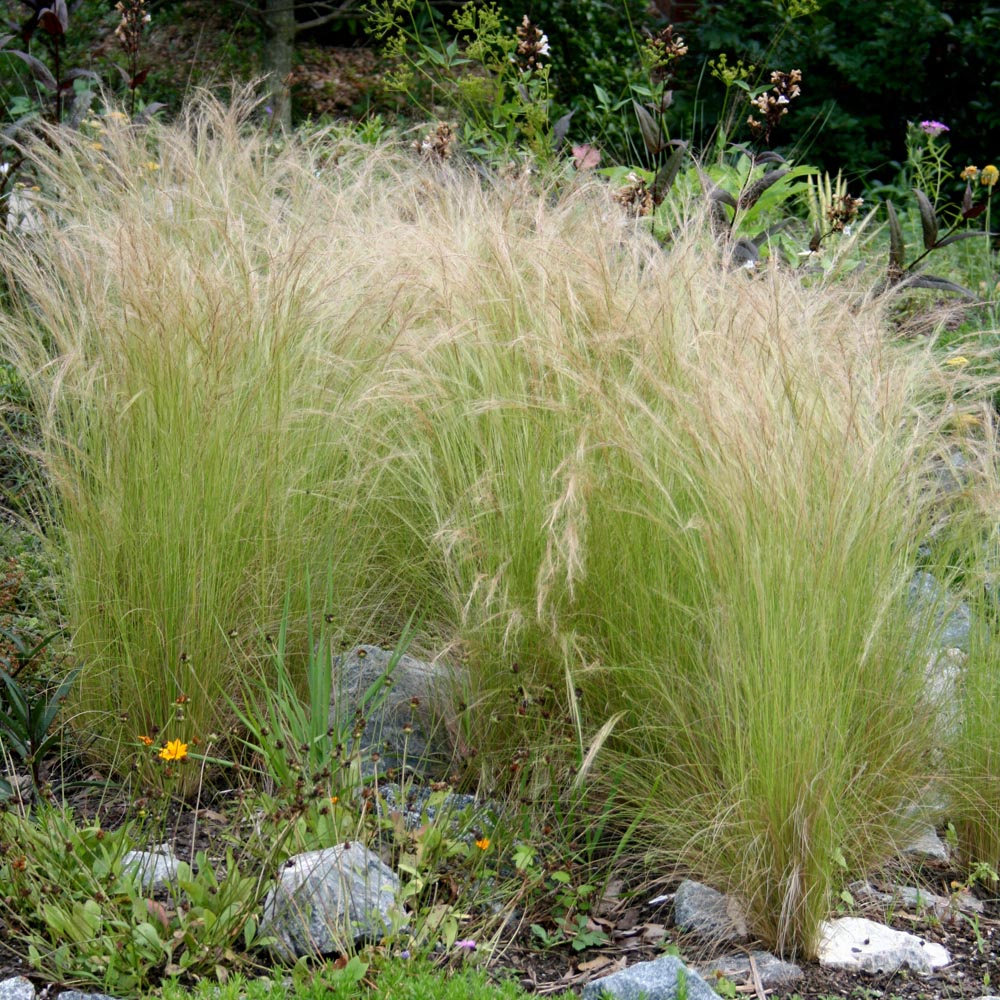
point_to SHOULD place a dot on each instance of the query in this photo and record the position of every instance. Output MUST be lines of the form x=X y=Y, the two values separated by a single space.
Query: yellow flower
x=146 y=741
x=174 y=750
x=990 y=175
x=334 y=799
x=966 y=421
x=483 y=844
x=957 y=362
x=151 y=165
x=970 y=173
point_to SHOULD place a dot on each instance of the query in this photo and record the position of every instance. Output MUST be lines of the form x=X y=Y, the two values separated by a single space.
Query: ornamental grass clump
x=660 y=509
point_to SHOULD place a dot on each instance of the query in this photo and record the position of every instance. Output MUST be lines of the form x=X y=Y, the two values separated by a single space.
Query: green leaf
x=928 y=219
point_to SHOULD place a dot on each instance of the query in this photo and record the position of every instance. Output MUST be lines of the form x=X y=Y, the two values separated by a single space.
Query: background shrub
x=868 y=68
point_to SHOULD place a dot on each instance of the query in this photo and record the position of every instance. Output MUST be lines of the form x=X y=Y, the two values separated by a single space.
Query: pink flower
x=467 y=944
x=933 y=128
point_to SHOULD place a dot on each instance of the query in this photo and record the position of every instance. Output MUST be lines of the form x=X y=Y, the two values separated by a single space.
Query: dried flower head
x=663 y=50
x=772 y=105
x=970 y=173
x=532 y=45
x=438 y=145
x=843 y=211
x=635 y=197
x=134 y=19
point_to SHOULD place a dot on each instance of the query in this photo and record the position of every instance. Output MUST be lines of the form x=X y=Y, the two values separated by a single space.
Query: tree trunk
x=279 y=49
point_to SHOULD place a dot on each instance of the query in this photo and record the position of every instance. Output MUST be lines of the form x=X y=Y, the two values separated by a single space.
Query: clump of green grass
x=661 y=510
x=402 y=978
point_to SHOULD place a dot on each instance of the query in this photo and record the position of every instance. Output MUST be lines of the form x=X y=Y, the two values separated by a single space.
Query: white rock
x=855 y=944
x=156 y=868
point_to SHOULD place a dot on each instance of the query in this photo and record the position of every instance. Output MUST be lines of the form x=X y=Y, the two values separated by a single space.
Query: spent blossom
x=532 y=44
x=933 y=128
x=970 y=173
x=664 y=49
x=772 y=105
x=134 y=18
x=438 y=145
x=842 y=212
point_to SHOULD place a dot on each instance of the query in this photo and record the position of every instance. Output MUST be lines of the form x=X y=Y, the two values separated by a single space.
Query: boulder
x=709 y=913
x=854 y=944
x=665 y=978
x=326 y=898
x=397 y=698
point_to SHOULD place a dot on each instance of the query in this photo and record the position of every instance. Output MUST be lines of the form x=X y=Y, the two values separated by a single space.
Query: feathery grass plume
x=619 y=484
x=194 y=337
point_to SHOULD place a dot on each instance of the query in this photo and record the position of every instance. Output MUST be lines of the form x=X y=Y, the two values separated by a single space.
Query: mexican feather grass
x=636 y=493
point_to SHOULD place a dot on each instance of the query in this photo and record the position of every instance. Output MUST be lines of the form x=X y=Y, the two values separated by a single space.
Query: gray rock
x=422 y=805
x=939 y=906
x=709 y=913
x=926 y=846
x=398 y=701
x=951 y=621
x=326 y=898
x=156 y=868
x=663 y=979
x=773 y=972
x=911 y=898
x=943 y=680
x=854 y=944
x=17 y=988
x=77 y=995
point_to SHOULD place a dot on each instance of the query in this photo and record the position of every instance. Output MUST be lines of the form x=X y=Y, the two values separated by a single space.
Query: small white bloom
x=543 y=45
x=4 y=169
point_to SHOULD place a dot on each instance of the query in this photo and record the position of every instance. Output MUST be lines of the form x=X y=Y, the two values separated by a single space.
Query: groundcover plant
x=658 y=511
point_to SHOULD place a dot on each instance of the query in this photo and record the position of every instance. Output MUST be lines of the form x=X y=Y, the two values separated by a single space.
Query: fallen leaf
x=602 y=961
